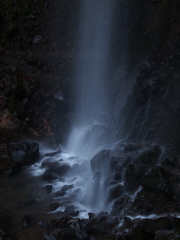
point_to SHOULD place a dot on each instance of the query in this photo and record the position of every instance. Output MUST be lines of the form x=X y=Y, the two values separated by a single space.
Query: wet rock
x=131 y=147
x=26 y=221
x=138 y=233
x=148 y=202
x=60 y=168
x=48 y=188
x=63 y=168
x=172 y=181
x=145 y=67
x=128 y=223
x=116 y=191
x=54 y=206
x=91 y=223
x=170 y=163
x=118 y=176
x=67 y=234
x=49 y=176
x=151 y=226
x=27 y=203
x=52 y=166
x=115 y=164
x=70 y=211
x=18 y=156
x=130 y=180
x=60 y=193
x=52 y=154
x=67 y=187
x=91 y=215
x=101 y=225
x=46 y=162
x=149 y=156
x=100 y=160
x=63 y=190
x=166 y=234
x=155 y=182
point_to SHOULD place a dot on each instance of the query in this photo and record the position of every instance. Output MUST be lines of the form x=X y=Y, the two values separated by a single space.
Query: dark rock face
x=70 y=211
x=101 y=227
x=143 y=181
x=54 y=170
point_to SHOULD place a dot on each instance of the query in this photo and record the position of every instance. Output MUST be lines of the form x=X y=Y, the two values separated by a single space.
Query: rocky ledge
x=141 y=189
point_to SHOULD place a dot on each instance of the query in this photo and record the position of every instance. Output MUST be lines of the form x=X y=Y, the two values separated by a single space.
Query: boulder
x=49 y=176
x=70 y=211
x=100 y=160
x=149 y=156
x=54 y=206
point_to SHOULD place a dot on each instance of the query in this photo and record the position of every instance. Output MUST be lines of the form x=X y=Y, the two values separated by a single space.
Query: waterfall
x=92 y=74
x=97 y=100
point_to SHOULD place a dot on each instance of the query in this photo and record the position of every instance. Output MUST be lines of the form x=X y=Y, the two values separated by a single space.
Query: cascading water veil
x=91 y=111
x=99 y=151
x=84 y=163
x=91 y=77
x=84 y=173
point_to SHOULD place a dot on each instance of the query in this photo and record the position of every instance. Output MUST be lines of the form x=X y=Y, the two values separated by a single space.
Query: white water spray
x=91 y=76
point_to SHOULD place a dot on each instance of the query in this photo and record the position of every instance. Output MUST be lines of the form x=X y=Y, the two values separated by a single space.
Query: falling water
x=93 y=123
x=92 y=74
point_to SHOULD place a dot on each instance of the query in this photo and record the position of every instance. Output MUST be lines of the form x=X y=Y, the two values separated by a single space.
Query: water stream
x=92 y=73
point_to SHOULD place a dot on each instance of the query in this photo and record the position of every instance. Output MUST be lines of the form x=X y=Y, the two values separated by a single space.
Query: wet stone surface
x=139 y=187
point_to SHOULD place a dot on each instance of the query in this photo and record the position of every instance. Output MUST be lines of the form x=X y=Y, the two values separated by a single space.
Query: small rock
x=54 y=206
x=52 y=154
x=26 y=220
x=32 y=16
x=37 y=39
x=25 y=100
x=48 y=188
x=49 y=176
x=70 y=211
